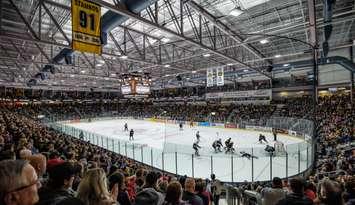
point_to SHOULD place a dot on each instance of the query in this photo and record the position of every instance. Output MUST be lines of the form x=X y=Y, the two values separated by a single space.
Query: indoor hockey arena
x=177 y=102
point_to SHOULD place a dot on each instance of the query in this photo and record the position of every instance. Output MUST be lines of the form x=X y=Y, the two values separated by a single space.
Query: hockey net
x=279 y=148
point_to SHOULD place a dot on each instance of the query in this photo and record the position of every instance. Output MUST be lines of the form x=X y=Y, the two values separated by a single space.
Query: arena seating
x=24 y=137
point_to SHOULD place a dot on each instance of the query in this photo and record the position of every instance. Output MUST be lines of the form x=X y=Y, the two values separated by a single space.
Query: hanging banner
x=86 y=26
x=220 y=76
x=210 y=77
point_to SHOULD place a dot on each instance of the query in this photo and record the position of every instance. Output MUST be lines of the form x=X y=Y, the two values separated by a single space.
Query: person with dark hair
x=195 y=146
x=270 y=196
x=200 y=188
x=18 y=183
x=296 y=197
x=174 y=194
x=59 y=187
x=349 y=195
x=149 y=194
x=116 y=184
x=330 y=193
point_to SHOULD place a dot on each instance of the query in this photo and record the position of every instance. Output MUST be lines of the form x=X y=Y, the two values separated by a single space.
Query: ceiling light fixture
x=123 y=57
x=83 y=71
x=206 y=55
x=166 y=66
x=229 y=64
x=245 y=70
x=286 y=65
x=165 y=40
x=277 y=56
x=236 y=11
x=194 y=71
x=264 y=41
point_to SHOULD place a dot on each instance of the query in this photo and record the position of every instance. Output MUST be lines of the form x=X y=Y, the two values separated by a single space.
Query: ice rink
x=150 y=138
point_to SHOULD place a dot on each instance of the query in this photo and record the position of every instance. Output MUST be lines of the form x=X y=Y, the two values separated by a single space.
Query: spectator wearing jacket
x=296 y=197
x=270 y=196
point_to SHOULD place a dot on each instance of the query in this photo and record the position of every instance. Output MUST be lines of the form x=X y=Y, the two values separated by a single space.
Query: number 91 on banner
x=86 y=26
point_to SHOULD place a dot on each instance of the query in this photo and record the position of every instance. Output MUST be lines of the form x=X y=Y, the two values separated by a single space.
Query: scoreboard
x=135 y=85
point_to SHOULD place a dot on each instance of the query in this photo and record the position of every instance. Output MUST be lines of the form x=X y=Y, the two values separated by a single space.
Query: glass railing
x=257 y=165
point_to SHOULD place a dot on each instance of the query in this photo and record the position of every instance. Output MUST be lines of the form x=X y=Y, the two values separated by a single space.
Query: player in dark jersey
x=131 y=133
x=217 y=145
x=195 y=146
x=262 y=138
x=198 y=136
x=125 y=127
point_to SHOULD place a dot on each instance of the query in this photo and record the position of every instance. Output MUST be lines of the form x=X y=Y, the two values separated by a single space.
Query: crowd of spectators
x=39 y=165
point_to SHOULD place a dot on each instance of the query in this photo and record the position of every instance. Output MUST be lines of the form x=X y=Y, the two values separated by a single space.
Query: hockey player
x=195 y=146
x=191 y=123
x=81 y=135
x=198 y=136
x=275 y=134
x=270 y=150
x=217 y=144
x=131 y=133
x=125 y=127
x=180 y=125
x=230 y=148
x=247 y=155
x=227 y=142
x=262 y=138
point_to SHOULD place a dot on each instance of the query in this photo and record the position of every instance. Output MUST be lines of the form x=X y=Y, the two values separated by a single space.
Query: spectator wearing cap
x=296 y=197
x=18 y=183
x=270 y=196
x=116 y=185
x=149 y=194
x=54 y=159
x=189 y=193
x=59 y=187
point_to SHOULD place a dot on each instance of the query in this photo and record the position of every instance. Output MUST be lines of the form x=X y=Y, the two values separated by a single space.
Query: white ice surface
x=153 y=135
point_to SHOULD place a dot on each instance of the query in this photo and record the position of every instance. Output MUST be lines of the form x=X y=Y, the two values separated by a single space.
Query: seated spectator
x=116 y=185
x=174 y=194
x=310 y=191
x=93 y=190
x=296 y=197
x=54 y=159
x=149 y=194
x=189 y=193
x=18 y=183
x=270 y=196
x=59 y=187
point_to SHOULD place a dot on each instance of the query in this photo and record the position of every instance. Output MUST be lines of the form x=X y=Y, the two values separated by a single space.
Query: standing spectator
x=59 y=187
x=18 y=183
x=174 y=194
x=116 y=184
x=330 y=193
x=93 y=190
x=296 y=197
x=349 y=195
x=39 y=163
x=189 y=193
x=216 y=189
x=149 y=194
x=270 y=196
x=200 y=188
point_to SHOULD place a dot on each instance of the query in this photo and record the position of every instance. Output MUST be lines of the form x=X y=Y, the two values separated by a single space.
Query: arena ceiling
x=168 y=38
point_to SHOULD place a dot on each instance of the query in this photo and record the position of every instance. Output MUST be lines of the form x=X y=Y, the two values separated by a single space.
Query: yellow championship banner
x=86 y=26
